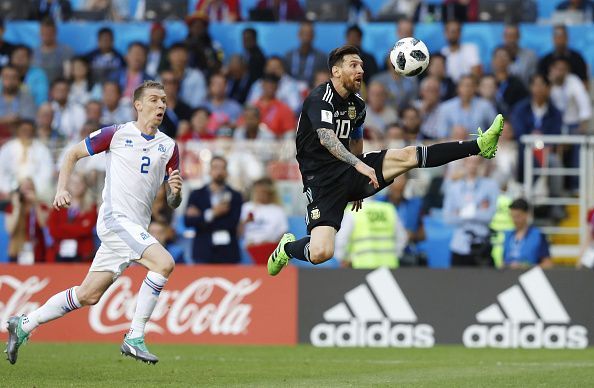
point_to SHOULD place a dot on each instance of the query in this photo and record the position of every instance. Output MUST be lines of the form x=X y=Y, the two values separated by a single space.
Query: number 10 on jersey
x=343 y=129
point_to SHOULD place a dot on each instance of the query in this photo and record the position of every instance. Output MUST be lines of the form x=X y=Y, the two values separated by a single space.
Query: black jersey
x=325 y=108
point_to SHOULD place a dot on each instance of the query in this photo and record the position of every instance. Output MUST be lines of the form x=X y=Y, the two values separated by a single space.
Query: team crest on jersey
x=315 y=214
x=128 y=143
x=352 y=112
x=161 y=148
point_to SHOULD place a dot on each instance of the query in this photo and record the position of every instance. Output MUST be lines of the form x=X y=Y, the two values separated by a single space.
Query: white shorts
x=122 y=243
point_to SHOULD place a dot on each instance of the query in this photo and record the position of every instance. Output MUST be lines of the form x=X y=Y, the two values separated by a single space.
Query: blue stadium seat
x=436 y=246
x=3 y=240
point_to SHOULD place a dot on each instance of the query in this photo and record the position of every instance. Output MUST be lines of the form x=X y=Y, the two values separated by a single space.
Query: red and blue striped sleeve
x=100 y=140
x=173 y=162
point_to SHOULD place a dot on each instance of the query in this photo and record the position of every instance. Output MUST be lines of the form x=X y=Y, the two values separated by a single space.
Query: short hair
x=178 y=46
x=354 y=28
x=200 y=109
x=560 y=27
x=251 y=30
x=218 y=157
x=252 y=108
x=59 y=80
x=407 y=108
x=336 y=56
x=22 y=47
x=115 y=83
x=520 y=204
x=105 y=30
x=541 y=77
x=139 y=44
x=24 y=121
x=501 y=48
x=48 y=22
x=150 y=84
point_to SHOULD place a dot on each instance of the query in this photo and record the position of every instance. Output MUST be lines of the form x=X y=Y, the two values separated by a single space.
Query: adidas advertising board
x=417 y=307
x=526 y=315
x=374 y=313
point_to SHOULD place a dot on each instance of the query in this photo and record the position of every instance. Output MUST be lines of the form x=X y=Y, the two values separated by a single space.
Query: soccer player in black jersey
x=333 y=167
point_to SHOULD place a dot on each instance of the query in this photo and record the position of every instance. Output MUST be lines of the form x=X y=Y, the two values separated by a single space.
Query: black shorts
x=326 y=204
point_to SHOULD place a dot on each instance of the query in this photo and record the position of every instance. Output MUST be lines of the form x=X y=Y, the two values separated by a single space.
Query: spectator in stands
x=239 y=81
x=372 y=237
x=395 y=136
x=115 y=109
x=570 y=96
x=405 y=28
x=104 y=60
x=93 y=110
x=197 y=129
x=305 y=60
x=46 y=133
x=275 y=113
x=224 y=111
x=320 y=77
x=69 y=117
x=469 y=206
x=50 y=9
x=289 y=91
x=51 y=56
x=357 y=12
x=282 y=10
x=585 y=7
x=15 y=102
x=72 y=229
x=5 y=47
x=461 y=58
x=466 y=110
x=177 y=111
x=577 y=65
x=133 y=75
x=354 y=37
x=226 y=11
x=214 y=212
x=165 y=235
x=437 y=69
x=253 y=54
x=263 y=220
x=204 y=53
x=92 y=167
x=26 y=217
x=411 y=123
x=525 y=245
x=82 y=86
x=524 y=60
x=428 y=107
x=253 y=128
x=33 y=77
x=402 y=91
x=26 y=156
x=510 y=89
x=157 y=53
x=487 y=89
x=379 y=113
x=193 y=85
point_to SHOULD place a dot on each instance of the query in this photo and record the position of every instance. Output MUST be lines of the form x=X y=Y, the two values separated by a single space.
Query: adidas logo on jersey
x=373 y=314
x=529 y=315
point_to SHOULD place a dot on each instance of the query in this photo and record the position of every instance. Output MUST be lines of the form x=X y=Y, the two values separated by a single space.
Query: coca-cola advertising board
x=199 y=304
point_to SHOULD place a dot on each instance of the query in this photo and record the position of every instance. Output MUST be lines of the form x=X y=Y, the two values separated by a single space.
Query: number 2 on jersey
x=343 y=128
x=144 y=166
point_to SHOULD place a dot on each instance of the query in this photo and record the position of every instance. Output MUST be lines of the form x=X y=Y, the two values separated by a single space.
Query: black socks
x=298 y=249
x=442 y=153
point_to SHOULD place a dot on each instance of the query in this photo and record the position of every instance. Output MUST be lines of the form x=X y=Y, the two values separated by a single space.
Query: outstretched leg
x=399 y=161
x=88 y=293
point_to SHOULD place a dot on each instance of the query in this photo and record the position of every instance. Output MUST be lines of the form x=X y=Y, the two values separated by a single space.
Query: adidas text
x=528 y=336
x=374 y=334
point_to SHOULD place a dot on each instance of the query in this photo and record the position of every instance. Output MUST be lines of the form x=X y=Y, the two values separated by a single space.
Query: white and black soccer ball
x=409 y=56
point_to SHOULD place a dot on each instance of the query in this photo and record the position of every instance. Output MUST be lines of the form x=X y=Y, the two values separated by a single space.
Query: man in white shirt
x=140 y=159
x=461 y=58
x=570 y=96
x=193 y=84
x=68 y=117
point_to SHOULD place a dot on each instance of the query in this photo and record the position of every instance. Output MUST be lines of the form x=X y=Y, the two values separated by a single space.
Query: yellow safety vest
x=372 y=243
x=500 y=223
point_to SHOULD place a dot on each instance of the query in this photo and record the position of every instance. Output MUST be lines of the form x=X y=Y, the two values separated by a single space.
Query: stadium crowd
x=234 y=119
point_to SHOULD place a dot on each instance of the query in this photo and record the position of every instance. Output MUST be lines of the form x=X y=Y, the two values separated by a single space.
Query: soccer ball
x=409 y=56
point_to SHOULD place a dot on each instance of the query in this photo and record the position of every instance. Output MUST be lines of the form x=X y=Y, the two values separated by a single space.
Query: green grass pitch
x=101 y=365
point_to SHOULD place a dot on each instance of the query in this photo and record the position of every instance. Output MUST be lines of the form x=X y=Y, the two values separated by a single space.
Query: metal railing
x=584 y=173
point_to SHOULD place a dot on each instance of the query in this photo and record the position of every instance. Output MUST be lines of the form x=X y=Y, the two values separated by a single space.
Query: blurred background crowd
x=234 y=98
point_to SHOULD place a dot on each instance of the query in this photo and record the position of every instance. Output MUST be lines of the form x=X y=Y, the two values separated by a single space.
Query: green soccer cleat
x=16 y=337
x=487 y=141
x=136 y=348
x=279 y=258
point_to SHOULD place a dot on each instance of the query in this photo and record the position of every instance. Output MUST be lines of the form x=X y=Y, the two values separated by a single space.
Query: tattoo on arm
x=329 y=140
x=173 y=200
